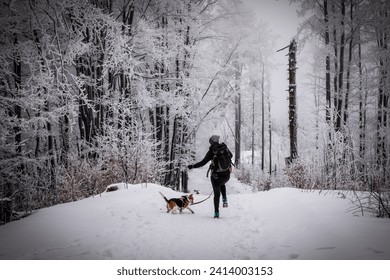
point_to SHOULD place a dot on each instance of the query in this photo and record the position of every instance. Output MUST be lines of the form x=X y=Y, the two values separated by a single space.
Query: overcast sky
x=280 y=15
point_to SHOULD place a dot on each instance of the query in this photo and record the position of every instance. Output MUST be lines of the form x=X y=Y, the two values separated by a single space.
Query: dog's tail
x=163 y=196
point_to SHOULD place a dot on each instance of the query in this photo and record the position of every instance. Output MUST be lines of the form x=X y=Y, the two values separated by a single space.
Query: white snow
x=131 y=223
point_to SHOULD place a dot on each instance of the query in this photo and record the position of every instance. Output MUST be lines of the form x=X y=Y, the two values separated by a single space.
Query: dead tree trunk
x=292 y=114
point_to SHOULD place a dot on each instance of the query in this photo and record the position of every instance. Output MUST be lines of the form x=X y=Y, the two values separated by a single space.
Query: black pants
x=218 y=181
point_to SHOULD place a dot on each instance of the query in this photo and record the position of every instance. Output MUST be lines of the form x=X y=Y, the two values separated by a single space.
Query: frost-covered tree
x=97 y=91
x=353 y=91
x=52 y=90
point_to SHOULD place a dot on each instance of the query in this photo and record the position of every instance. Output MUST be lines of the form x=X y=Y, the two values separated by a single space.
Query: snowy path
x=132 y=224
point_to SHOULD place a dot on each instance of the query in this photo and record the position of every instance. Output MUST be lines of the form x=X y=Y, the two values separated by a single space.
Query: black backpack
x=222 y=158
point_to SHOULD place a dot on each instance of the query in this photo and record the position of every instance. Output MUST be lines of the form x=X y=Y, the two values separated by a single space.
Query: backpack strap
x=213 y=150
x=208 y=171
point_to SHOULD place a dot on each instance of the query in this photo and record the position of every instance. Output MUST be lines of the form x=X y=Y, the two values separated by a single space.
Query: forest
x=95 y=92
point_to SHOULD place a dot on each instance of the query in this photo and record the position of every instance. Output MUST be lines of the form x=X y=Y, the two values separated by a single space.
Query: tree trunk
x=350 y=52
x=270 y=135
x=64 y=134
x=340 y=89
x=362 y=113
x=327 y=66
x=253 y=128
x=292 y=101
x=383 y=101
x=262 y=121
x=383 y=94
x=51 y=162
x=237 y=146
x=17 y=65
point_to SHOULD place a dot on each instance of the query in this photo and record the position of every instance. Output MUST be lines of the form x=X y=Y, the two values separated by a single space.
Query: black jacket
x=209 y=155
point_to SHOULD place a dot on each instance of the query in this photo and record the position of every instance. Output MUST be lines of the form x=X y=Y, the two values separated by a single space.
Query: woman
x=220 y=167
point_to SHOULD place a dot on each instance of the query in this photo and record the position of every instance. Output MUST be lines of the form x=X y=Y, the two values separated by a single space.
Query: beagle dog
x=179 y=203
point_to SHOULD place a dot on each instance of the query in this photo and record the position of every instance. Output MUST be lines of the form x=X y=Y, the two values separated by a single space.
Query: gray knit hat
x=214 y=139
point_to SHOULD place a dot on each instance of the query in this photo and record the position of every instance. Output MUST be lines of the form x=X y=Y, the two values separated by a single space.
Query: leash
x=191 y=203
x=203 y=199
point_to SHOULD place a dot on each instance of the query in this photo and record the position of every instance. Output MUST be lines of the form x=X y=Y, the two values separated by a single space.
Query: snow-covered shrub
x=84 y=178
x=378 y=183
x=258 y=179
x=298 y=175
x=266 y=183
x=5 y=210
x=244 y=174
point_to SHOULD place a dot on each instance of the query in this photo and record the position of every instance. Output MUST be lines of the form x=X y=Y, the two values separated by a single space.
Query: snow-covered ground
x=131 y=223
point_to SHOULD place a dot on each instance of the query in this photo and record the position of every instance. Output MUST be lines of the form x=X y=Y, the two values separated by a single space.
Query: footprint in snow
x=293 y=256
x=326 y=248
x=376 y=251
